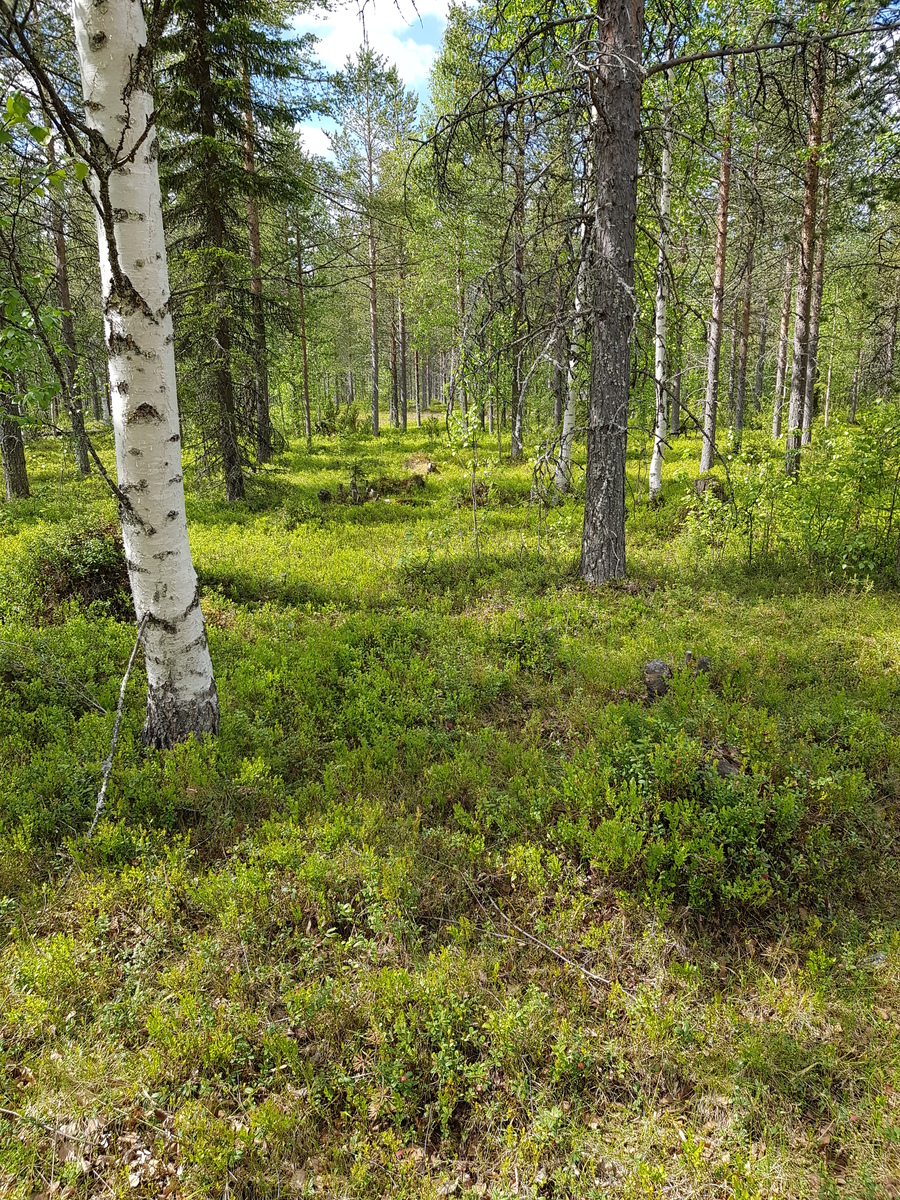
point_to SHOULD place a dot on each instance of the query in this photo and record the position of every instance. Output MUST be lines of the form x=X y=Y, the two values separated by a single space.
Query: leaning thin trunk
x=260 y=350
x=815 y=312
x=805 y=263
x=615 y=125
x=714 y=345
x=119 y=110
x=781 y=362
x=662 y=295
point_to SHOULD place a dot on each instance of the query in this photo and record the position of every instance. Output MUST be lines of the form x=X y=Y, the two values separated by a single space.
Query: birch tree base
x=172 y=719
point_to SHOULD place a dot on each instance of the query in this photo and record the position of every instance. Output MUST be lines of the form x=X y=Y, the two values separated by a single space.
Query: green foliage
x=448 y=888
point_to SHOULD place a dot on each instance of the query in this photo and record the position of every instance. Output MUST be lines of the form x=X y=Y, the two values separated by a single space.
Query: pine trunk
x=615 y=127
x=805 y=264
x=714 y=345
x=119 y=110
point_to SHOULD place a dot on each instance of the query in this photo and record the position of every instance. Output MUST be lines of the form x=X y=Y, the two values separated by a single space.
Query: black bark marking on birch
x=143 y=414
x=121 y=343
x=172 y=515
x=171 y=720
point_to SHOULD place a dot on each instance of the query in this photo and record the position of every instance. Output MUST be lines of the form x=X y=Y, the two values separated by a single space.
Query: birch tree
x=115 y=58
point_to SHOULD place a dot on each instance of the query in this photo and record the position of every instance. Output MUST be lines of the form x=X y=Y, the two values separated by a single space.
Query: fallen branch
x=108 y=762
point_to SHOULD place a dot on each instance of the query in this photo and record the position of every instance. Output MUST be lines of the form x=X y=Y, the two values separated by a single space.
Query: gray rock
x=657 y=673
x=704 y=664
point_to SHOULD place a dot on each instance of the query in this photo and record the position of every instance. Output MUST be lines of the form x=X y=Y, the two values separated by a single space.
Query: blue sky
x=409 y=37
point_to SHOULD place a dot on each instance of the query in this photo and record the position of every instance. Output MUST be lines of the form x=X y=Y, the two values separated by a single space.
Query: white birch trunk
x=662 y=296
x=116 y=80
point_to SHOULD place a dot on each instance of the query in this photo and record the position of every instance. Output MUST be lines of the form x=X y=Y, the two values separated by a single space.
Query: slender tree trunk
x=96 y=409
x=517 y=440
x=418 y=397
x=733 y=357
x=222 y=391
x=71 y=396
x=558 y=368
x=12 y=449
x=662 y=295
x=260 y=349
x=744 y=333
x=784 y=329
x=562 y=479
x=714 y=345
x=395 y=410
x=461 y=309
x=119 y=106
x=892 y=340
x=301 y=305
x=805 y=263
x=760 y=379
x=404 y=400
x=854 y=387
x=815 y=312
x=831 y=358
x=675 y=419
x=615 y=125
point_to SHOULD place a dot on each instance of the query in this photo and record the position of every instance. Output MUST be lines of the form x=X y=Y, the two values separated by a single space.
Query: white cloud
x=408 y=37
x=315 y=140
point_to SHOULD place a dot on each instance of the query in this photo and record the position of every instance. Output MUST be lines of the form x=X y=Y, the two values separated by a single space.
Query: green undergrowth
x=450 y=906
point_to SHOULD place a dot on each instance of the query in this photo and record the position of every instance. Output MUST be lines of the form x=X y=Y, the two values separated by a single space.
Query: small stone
x=657 y=672
x=704 y=664
x=725 y=768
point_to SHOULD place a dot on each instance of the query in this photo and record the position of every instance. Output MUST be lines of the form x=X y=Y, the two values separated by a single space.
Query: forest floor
x=450 y=907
